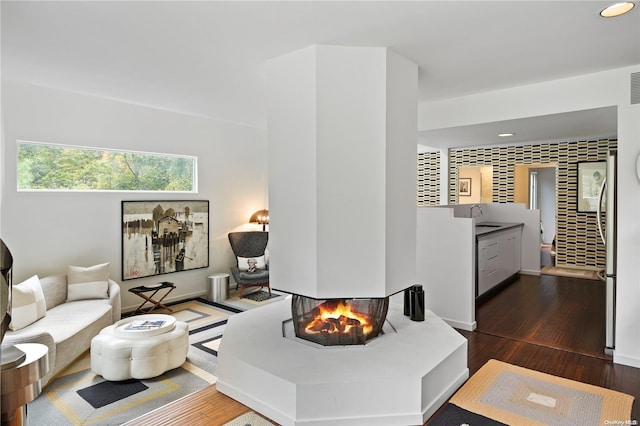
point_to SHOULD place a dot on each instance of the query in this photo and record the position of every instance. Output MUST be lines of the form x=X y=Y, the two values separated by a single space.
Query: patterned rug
x=504 y=393
x=206 y=322
x=79 y=397
x=260 y=296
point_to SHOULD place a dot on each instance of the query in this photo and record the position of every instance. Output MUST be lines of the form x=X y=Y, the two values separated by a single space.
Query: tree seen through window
x=67 y=168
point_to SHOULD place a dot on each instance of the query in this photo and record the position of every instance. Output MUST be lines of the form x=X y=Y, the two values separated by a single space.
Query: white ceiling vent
x=635 y=88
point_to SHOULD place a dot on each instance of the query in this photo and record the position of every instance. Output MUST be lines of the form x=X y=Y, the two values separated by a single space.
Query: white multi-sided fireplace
x=342 y=136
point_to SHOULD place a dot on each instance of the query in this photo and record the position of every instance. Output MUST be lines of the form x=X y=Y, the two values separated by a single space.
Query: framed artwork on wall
x=464 y=186
x=161 y=237
x=590 y=178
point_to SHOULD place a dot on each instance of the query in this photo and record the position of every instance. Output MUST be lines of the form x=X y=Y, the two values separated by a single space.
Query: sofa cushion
x=27 y=303
x=54 y=288
x=74 y=324
x=88 y=283
x=70 y=318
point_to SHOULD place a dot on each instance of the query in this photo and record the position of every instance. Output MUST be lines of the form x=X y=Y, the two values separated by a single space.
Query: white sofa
x=68 y=327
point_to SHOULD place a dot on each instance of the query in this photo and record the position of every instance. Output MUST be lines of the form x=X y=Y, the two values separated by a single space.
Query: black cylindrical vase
x=416 y=297
x=407 y=301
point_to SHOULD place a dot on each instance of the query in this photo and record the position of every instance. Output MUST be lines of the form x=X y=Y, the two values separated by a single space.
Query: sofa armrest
x=42 y=338
x=114 y=300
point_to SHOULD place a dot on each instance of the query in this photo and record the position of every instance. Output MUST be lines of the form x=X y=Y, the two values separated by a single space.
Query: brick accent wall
x=577 y=240
x=428 y=179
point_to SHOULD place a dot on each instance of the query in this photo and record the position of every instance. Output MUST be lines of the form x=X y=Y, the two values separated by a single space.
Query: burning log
x=340 y=329
x=337 y=322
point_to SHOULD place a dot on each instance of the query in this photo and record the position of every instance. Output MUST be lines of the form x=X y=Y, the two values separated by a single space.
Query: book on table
x=145 y=325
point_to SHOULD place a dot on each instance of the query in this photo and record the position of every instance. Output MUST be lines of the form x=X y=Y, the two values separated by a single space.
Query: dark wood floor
x=558 y=312
x=549 y=324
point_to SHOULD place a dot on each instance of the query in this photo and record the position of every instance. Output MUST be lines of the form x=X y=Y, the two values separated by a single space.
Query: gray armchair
x=250 y=247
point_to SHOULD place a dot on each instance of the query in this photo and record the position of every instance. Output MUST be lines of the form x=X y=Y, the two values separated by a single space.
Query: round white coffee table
x=144 y=325
x=140 y=347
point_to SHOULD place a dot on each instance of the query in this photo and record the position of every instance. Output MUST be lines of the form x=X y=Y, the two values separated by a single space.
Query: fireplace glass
x=338 y=322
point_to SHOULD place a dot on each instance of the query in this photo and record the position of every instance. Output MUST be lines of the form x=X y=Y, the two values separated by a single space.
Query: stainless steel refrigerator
x=607 y=228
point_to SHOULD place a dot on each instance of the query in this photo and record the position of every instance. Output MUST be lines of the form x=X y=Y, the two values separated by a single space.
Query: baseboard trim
x=626 y=360
x=461 y=325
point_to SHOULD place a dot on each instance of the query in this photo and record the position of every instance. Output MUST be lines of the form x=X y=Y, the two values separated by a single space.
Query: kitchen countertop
x=485 y=228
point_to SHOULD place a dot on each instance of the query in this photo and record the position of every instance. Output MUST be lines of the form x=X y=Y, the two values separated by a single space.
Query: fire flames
x=336 y=316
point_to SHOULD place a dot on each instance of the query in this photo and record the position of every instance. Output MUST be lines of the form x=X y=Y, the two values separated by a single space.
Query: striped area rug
x=79 y=397
x=504 y=393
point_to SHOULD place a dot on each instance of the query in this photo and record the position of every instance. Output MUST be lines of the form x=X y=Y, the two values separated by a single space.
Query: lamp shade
x=261 y=217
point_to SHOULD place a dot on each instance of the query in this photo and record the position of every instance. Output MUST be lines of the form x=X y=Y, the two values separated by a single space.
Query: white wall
x=446 y=254
x=587 y=91
x=628 y=249
x=46 y=231
x=2 y=155
x=446 y=264
x=607 y=88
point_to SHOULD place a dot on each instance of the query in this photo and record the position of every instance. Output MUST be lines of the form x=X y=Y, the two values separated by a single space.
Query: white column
x=342 y=167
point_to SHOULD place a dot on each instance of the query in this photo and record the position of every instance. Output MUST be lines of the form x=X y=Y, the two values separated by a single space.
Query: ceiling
x=207 y=58
x=570 y=126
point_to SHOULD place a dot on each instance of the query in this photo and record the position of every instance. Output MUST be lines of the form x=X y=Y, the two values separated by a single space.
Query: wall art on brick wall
x=161 y=237
x=464 y=186
x=590 y=177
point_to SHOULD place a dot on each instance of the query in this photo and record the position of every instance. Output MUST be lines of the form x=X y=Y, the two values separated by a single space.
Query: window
x=51 y=167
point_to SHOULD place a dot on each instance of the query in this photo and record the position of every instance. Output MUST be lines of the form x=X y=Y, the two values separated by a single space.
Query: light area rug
x=62 y=402
x=206 y=323
x=249 y=419
x=519 y=396
x=569 y=273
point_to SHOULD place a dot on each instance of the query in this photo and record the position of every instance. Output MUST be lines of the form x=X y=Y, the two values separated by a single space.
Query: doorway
x=480 y=181
x=535 y=186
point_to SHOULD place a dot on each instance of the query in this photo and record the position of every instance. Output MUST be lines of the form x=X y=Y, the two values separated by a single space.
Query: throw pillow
x=256 y=263
x=88 y=283
x=27 y=303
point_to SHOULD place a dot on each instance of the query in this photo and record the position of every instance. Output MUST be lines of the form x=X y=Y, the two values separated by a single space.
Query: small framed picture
x=590 y=178
x=464 y=186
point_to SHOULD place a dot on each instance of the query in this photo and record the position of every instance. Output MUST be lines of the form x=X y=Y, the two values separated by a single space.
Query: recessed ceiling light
x=617 y=9
x=505 y=135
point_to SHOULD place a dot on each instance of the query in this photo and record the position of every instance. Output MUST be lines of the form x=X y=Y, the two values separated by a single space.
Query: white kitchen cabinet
x=498 y=257
x=487 y=253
